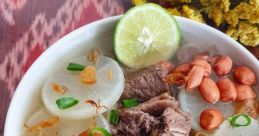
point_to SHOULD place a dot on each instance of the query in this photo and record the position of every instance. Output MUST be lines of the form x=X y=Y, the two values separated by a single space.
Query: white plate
x=99 y=34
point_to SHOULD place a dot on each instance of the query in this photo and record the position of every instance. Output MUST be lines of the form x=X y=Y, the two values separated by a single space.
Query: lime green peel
x=145 y=35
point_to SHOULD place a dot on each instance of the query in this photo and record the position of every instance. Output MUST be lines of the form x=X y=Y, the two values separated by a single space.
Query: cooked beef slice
x=157 y=105
x=159 y=116
x=134 y=123
x=176 y=123
x=147 y=83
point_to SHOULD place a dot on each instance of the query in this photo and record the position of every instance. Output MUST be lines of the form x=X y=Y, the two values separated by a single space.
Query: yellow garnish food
x=88 y=75
x=247 y=33
x=188 y=12
x=50 y=122
x=192 y=13
x=58 y=88
x=137 y=2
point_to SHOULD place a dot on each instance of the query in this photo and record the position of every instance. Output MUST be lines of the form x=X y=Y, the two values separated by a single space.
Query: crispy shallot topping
x=85 y=133
x=175 y=78
x=96 y=105
x=88 y=131
x=47 y=123
x=59 y=88
x=94 y=55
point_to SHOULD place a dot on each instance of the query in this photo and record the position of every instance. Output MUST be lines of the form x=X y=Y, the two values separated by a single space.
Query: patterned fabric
x=28 y=27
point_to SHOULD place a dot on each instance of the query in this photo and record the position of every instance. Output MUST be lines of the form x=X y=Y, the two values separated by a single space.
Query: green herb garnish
x=236 y=123
x=75 y=67
x=99 y=130
x=114 y=116
x=66 y=102
x=128 y=103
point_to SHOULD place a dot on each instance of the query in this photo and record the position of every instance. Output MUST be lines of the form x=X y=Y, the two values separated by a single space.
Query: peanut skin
x=223 y=65
x=244 y=92
x=175 y=78
x=206 y=66
x=244 y=75
x=209 y=90
x=249 y=107
x=213 y=60
x=227 y=90
x=194 y=77
x=183 y=68
x=211 y=119
x=202 y=56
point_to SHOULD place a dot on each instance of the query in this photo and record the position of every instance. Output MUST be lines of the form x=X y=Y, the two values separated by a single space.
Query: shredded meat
x=159 y=116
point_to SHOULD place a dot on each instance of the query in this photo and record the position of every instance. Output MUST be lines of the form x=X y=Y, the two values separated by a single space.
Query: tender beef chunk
x=147 y=83
x=176 y=123
x=159 y=116
x=157 y=105
x=134 y=123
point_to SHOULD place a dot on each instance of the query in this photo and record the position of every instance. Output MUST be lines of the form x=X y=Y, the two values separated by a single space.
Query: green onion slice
x=114 y=116
x=128 y=103
x=99 y=130
x=236 y=122
x=75 y=67
x=66 y=102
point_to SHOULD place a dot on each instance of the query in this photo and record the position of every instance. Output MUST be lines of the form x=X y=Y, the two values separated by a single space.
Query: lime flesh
x=145 y=35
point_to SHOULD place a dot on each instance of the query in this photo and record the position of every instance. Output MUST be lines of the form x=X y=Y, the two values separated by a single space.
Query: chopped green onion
x=99 y=130
x=75 y=67
x=130 y=103
x=66 y=102
x=235 y=123
x=114 y=116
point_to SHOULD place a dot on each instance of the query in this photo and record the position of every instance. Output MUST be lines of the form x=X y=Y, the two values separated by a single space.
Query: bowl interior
x=27 y=100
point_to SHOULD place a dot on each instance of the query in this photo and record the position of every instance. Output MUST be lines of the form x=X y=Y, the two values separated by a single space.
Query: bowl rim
x=18 y=91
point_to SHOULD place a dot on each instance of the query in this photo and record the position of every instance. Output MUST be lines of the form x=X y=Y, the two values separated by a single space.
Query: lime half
x=145 y=35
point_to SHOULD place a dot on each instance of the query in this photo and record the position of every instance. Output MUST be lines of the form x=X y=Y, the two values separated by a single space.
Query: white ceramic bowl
x=99 y=34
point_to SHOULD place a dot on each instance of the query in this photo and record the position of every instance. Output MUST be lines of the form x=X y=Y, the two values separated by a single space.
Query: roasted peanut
x=183 y=68
x=223 y=65
x=213 y=60
x=211 y=119
x=209 y=90
x=206 y=66
x=249 y=107
x=244 y=75
x=194 y=77
x=244 y=92
x=227 y=90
